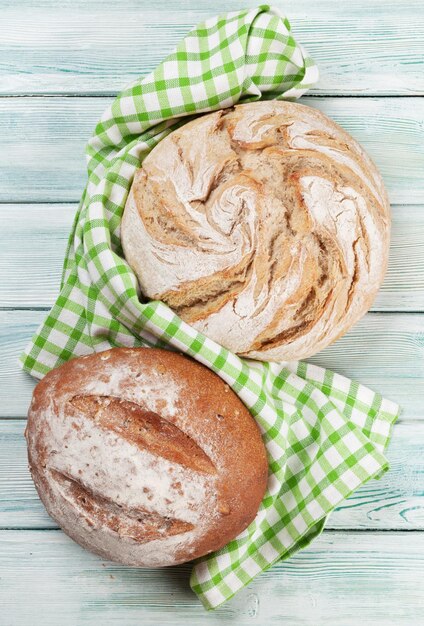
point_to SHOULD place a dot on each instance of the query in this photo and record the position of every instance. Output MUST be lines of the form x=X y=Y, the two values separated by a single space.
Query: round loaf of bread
x=266 y=227
x=144 y=456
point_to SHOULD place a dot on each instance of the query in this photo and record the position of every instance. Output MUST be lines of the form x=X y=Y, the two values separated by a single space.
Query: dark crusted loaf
x=144 y=456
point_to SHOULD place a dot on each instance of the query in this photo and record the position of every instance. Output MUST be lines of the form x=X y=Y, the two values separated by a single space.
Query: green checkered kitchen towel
x=324 y=434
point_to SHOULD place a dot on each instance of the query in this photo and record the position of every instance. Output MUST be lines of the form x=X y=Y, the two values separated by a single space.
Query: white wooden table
x=61 y=62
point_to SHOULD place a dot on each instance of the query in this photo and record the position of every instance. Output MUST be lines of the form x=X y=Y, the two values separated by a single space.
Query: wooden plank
x=342 y=578
x=395 y=502
x=390 y=132
x=384 y=351
x=43 y=141
x=32 y=252
x=362 y=47
x=403 y=287
x=35 y=237
x=380 y=344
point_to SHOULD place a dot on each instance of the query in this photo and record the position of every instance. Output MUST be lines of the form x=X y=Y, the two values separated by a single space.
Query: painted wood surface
x=384 y=351
x=395 y=502
x=339 y=577
x=364 y=568
x=43 y=139
x=73 y=46
x=31 y=275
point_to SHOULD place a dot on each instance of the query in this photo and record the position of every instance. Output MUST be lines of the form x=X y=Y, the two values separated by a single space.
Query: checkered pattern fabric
x=324 y=434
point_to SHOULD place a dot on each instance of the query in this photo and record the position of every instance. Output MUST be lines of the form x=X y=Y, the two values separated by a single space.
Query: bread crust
x=265 y=226
x=144 y=456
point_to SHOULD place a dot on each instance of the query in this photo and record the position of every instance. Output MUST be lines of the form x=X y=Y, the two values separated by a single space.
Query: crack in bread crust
x=146 y=429
x=133 y=523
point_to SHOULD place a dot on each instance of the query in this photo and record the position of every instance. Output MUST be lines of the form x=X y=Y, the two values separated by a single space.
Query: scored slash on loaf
x=265 y=226
x=144 y=456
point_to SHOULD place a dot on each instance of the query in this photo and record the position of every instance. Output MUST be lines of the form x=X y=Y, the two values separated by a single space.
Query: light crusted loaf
x=145 y=456
x=266 y=227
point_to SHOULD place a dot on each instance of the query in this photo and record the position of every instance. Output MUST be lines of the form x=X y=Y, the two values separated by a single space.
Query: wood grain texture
x=43 y=139
x=342 y=579
x=403 y=287
x=362 y=47
x=390 y=345
x=384 y=351
x=395 y=502
x=35 y=237
x=32 y=252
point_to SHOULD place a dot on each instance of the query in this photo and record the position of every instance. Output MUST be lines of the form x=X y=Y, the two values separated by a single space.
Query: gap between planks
x=336 y=580
x=113 y=94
